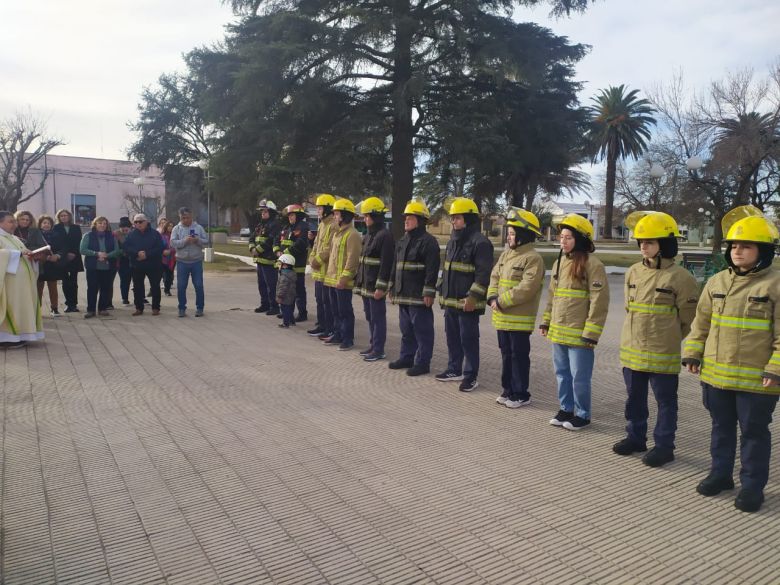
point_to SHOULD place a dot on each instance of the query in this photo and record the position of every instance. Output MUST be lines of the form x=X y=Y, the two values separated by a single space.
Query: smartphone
x=192 y=233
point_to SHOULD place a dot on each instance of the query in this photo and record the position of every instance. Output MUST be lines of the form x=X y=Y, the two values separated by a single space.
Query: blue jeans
x=665 y=390
x=287 y=314
x=573 y=369
x=462 y=331
x=376 y=315
x=753 y=412
x=185 y=270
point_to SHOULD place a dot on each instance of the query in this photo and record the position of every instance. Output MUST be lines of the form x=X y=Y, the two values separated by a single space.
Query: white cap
x=288 y=259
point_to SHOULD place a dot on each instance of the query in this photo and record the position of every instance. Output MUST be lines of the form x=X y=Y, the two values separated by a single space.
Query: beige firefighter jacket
x=660 y=307
x=516 y=284
x=576 y=309
x=320 y=249
x=735 y=336
x=344 y=256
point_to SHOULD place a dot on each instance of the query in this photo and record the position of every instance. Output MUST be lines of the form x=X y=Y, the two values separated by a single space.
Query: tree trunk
x=717 y=232
x=402 y=150
x=610 y=195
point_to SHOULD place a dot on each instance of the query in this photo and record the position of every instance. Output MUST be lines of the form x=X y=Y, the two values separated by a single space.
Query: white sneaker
x=502 y=399
x=517 y=403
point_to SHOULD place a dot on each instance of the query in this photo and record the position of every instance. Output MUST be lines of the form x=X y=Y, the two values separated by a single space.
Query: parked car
x=244 y=233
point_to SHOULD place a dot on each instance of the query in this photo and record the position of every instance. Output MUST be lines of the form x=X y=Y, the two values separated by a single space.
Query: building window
x=84 y=208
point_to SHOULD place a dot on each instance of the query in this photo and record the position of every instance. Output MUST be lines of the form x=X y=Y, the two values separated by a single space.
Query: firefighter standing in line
x=376 y=263
x=261 y=246
x=318 y=259
x=515 y=291
x=734 y=345
x=660 y=298
x=413 y=288
x=294 y=239
x=340 y=275
x=462 y=291
x=574 y=319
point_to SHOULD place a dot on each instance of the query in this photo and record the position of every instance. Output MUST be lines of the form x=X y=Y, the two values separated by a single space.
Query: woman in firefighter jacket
x=318 y=259
x=376 y=262
x=462 y=289
x=340 y=275
x=514 y=293
x=294 y=239
x=660 y=299
x=574 y=319
x=413 y=288
x=261 y=246
x=734 y=345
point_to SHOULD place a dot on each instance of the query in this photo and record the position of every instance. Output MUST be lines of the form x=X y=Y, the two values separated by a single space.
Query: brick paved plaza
x=223 y=450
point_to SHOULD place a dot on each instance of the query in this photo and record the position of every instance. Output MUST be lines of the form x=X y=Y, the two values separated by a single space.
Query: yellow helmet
x=371 y=205
x=463 y=205
x=417 y=207
x=652 y=225
x=344 y=205
x=521 y=218
x=747 y=224
x=324 y=199
x=577 y=223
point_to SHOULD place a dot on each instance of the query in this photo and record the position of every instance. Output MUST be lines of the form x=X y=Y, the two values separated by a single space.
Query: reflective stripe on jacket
x=344 y=256
x=294 y=239
x=320 y=250
x=736 y=333
x=415 y=269
x=660 y=307
x=376 y=261
x=466 y=271
x=516 y=284
x=576 y=309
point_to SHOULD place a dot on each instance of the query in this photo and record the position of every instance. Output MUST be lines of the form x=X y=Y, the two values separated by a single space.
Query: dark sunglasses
x=140 y=221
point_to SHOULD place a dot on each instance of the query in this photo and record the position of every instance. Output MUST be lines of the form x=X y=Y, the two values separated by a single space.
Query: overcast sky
x=81 y=64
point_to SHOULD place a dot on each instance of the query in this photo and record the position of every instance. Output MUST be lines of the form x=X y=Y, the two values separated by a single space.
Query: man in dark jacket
x=69 y=235
x=413 y=288
x=144 y=247
x=294 y=239
x=463 y=286
x=373 y=275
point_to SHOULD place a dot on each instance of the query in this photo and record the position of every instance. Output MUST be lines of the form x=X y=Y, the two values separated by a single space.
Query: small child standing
x=285 y=289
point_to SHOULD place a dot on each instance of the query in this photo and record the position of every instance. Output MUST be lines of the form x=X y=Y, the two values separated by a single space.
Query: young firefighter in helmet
x=376 y=262
x=660 y=299
x=294 y=239
x=514 y=293
x=261 y=246
x=734 y=345
x=462 y=291
x=318 y=259
x=413 y=288
x=340 y=274
x=574 y=319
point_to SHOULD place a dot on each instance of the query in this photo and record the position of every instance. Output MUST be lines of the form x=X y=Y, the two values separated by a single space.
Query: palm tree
x=619 y=128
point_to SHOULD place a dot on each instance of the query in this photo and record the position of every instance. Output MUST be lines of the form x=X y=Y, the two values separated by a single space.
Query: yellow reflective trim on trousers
x=741 y=322
x=409 y=266
x=572 y=293
x=459 y=266
x=651 y=309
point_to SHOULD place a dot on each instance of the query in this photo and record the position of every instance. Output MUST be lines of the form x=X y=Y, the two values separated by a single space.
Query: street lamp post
x=705 y=220
x=209 y=252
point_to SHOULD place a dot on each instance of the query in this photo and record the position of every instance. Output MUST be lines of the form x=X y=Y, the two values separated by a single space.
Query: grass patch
x=230 y=248
x=225 y=264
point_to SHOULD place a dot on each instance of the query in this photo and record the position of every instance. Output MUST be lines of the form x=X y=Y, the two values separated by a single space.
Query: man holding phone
x=189 y=238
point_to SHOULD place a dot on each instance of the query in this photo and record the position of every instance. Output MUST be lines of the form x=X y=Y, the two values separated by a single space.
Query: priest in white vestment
x=20 y=310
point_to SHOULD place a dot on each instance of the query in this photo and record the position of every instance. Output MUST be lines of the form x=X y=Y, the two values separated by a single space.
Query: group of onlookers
x=55 y=252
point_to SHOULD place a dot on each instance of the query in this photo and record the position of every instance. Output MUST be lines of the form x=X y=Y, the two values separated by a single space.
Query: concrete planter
x=219 y=238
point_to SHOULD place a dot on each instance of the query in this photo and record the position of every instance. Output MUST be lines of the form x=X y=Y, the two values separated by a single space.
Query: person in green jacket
x=100 y=251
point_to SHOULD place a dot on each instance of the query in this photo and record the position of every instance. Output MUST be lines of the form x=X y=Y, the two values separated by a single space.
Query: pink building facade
x=90 y=187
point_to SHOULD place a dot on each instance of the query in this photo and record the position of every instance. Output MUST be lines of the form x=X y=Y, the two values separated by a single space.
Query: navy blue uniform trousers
x=324 y=311
x=416 y=334
x=343 y=315
x=753 y=412
x=515 y=349
x=376 y=316
x=462 y=331
x=665 y=390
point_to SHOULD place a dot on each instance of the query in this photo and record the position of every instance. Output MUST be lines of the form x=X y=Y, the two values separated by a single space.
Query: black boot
x=713 y=484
